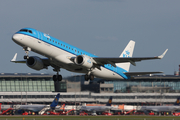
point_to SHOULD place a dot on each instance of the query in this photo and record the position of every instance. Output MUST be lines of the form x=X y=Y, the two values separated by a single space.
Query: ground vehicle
x=177 y=113
x=106 y=113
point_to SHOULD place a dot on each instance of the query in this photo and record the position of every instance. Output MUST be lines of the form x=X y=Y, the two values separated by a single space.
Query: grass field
x=89 y=118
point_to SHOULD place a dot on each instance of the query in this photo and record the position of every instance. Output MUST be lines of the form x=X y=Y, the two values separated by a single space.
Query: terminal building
x=26 y=88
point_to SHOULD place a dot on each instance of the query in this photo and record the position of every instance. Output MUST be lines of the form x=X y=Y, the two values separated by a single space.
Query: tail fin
x=128 y=52
x=55 y=101
x=177 y=101
x=109 y=101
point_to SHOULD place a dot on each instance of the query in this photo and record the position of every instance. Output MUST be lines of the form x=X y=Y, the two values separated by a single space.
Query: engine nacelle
x=84 y=61
x=35 y=63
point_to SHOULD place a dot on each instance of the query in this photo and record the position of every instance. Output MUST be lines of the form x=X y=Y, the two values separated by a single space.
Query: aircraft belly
x=105 y=73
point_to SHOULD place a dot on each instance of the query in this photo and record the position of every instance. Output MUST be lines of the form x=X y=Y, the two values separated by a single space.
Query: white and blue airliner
x=60 y=54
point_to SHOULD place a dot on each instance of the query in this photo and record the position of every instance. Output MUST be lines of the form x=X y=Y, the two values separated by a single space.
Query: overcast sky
x=101 y=27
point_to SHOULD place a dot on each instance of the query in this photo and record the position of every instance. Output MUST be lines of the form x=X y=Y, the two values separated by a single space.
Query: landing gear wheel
x=91 y=77
x=54 y=78
x=26 y=49
x=57 y=77
x=86 y=77
x=26 y=57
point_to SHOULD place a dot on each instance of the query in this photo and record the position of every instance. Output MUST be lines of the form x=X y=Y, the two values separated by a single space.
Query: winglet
x=161 y=56
x=14 y=58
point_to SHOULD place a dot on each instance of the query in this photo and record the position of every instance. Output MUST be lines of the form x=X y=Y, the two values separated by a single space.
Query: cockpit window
x=25 y=30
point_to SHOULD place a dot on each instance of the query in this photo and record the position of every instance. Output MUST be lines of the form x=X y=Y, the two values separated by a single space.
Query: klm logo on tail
x=126 y=54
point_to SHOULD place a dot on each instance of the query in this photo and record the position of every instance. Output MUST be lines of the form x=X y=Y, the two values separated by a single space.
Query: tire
x=59 y=78
x=91 y=77
x=86 y=77
x=54 y=78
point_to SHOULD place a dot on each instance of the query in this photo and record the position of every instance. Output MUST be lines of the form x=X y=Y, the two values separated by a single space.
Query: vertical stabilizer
x=109 y=101
x=177 y=101
x=127 y=52
x=55 y=101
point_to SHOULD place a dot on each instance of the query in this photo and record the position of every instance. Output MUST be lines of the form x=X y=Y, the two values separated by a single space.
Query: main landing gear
x=57 y=77
x=89 y=77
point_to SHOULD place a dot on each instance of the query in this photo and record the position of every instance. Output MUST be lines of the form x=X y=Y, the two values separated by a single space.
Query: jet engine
x=84 y=61
x=35 y=62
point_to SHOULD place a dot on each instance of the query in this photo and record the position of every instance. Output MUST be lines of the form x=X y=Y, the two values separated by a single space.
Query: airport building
x=27 y=88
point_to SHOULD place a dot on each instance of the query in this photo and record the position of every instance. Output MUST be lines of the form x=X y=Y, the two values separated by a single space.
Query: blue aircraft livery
x=55 y=101
x=61 y=55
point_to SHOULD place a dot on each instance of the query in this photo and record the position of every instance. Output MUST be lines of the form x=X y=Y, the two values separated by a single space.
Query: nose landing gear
x=26 y=49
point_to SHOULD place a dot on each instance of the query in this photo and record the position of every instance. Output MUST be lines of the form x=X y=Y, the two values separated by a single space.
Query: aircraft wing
x=132 y=60
x=19 y=61
x=45 y=60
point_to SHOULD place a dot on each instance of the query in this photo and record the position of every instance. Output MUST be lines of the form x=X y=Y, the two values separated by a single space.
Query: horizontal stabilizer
x=140 y=73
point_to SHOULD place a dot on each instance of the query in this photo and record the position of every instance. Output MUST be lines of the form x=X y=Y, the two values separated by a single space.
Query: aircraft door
x=115 y=69
x=39 y=37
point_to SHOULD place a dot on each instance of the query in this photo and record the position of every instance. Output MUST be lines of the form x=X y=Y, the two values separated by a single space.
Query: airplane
x=162 y=108
x=60 y=54
x=95 y=109
x=37 y=107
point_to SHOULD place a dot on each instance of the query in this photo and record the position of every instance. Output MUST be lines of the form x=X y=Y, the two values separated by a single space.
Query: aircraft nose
x=16 y=37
